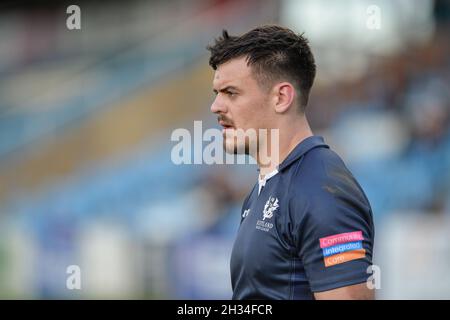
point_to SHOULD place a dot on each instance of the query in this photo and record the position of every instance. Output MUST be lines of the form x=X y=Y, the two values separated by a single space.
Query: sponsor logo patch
x=344 y=257
x=342 y=247
x=340 y=238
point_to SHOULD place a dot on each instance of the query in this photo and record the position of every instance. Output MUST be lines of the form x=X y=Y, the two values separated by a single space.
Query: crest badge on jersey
x=268 y=211
x=270 y=207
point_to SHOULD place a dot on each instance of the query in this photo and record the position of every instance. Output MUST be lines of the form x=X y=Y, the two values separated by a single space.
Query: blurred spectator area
x=86 y=117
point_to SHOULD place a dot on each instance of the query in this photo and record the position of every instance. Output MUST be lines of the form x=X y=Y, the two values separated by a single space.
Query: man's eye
x=231 y=94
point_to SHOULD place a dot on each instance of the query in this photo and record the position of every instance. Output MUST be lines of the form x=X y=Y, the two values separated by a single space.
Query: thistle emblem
x=270 y=207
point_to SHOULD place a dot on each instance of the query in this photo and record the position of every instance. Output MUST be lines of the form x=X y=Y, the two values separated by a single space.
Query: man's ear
x=284 y=96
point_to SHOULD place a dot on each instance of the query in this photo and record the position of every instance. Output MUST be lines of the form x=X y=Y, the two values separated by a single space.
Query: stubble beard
x=236 y=147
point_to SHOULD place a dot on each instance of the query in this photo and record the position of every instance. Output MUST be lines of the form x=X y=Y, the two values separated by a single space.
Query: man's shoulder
x=318 y=165
x=321 y=184
x=322 y=172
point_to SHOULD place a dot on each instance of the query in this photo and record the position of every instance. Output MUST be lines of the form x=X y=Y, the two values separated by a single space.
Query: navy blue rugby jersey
x=309 y=229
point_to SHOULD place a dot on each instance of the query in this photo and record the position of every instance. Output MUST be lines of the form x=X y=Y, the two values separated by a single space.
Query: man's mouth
x=226 y=125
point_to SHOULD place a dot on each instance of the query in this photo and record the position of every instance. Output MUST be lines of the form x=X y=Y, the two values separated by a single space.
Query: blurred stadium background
x=85 y=122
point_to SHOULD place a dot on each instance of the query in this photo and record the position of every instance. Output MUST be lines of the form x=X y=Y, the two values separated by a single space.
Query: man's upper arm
x=354 y=292
x=335 y=239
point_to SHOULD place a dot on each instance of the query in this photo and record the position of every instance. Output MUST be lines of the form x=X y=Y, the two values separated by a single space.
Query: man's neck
x=289 y=138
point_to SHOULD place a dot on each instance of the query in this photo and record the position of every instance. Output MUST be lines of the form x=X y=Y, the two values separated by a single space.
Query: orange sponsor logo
x=344 y=257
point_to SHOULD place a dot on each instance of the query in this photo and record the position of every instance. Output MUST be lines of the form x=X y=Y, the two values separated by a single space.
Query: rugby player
x=306 y=229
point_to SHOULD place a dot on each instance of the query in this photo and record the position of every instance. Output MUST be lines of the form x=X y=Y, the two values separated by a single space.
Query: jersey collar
x=303 y=147
x=262 y=182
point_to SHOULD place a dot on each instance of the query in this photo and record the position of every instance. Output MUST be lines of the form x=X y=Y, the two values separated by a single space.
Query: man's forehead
x=233 y=71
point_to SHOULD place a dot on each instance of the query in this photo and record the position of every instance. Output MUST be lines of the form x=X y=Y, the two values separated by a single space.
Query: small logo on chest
x=270 y=207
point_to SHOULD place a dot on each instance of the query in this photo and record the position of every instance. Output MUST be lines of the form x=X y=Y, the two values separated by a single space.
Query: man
x=306 y=230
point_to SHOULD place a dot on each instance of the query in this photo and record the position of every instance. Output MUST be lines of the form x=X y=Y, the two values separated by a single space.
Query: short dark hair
x=273 y=52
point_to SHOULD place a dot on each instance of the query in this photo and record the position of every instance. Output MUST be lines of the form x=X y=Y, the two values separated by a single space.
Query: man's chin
x=233 y=148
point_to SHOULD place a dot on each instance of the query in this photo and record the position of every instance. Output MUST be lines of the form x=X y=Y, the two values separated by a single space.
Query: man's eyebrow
x=227 y=88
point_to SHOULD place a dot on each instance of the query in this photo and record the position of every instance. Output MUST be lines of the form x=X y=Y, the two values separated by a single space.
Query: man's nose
x=217 y=106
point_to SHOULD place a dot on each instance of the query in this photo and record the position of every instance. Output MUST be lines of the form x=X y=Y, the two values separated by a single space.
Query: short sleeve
x=334 y=236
